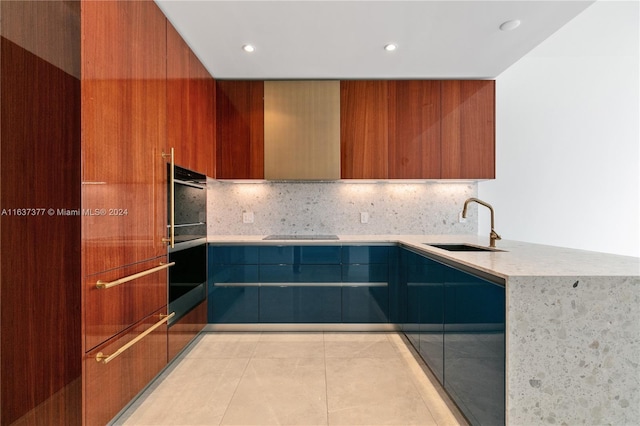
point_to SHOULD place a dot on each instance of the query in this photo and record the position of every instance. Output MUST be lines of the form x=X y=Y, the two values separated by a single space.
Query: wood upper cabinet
x=190 y=107
x=240 y=129
x=414 y=129
x=468 y=129
x=123 y=133
x=364 y=130
x=203 y=117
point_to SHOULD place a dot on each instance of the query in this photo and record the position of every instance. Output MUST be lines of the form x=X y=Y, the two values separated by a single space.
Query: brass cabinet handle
x=108 y=284
x=105 y=359
x=172 y=202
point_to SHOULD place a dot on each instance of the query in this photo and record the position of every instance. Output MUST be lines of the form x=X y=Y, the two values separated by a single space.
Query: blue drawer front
x=365 y=304
x=233 y=255
x=300 y=304
x=231 y=305
x=294 y=255
x=300 y=273
x=365 y=254
x=374 y=272
x=233 y=274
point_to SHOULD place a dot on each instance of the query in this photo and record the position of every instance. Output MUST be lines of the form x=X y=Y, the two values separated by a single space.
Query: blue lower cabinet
x=304 y=304
x=300 y=255
x=474 y=347
x=300 y=273
x=233 y=304
x=365 y=304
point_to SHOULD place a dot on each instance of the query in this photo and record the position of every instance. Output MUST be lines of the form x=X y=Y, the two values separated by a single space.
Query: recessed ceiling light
x=510 y=25
x=390 y=47
x=248 y=48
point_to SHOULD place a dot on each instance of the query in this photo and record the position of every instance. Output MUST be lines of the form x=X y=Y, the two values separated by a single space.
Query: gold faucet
x=493 y=236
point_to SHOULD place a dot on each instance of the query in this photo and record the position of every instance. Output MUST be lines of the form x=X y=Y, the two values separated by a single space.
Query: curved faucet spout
x=493 y=235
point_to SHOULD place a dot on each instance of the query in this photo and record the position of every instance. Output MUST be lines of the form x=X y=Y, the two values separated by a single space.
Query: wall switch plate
x=364 y=217
x=247 y=217
x=461 y=219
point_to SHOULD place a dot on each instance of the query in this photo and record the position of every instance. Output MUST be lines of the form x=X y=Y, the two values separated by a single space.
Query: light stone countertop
x=517 y=259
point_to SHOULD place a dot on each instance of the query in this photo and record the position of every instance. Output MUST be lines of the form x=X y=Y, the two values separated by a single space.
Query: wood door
x=109 y=387
x=40 y=266
x=364 y=130
x=202 y=117
x=186 y=329
x=414 y=129
x=108 y=311
x=468 y=129
x=179 y=129
x=123 y=133
x=240 y=129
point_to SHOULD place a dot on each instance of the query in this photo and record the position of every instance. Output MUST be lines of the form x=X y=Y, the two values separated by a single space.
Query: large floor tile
x=291 y=337
x=196 y=392
x=286 y=349
x=280 y=392
x=213 y=346
x=356 y=337
x=373 y=391
x=362 y=349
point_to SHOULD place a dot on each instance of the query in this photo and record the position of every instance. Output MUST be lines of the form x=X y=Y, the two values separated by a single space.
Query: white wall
x=568 y=137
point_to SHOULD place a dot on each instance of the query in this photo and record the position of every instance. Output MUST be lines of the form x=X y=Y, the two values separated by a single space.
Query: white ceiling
x=345 y=39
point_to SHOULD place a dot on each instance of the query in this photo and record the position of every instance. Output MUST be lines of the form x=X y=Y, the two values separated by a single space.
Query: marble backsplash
x=335 y=207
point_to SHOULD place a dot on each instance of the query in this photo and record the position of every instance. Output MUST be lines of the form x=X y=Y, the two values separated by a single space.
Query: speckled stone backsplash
x=335 y=207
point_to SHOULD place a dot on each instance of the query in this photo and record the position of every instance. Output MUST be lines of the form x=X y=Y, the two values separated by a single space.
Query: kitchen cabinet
x=364 y=129
x=110 y=386
x=240 y=129
x=109 y=311
x=366 y=283
x=423 y=283
x=456 y=322
x=190 y=107
x=183 y=331
x=474 y=346
x=123 y=133
x=414 y=129
x=40 y=264
x=468 y=129
x=300 y=284
x=233 y=297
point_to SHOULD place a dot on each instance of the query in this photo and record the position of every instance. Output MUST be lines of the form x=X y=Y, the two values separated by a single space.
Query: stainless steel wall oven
x=187 y=231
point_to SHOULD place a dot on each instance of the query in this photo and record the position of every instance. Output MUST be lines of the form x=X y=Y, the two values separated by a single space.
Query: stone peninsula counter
x=572 y=319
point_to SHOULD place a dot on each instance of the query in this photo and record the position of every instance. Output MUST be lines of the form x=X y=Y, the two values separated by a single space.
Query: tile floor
x=323 y=378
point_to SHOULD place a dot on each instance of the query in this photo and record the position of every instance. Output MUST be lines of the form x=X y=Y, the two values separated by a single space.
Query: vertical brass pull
x=172 y=202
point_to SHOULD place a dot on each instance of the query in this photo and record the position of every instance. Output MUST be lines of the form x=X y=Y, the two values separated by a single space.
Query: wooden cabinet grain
x=185 y=329
x=414 y=129
x=123 y=133
x=190 y=107
x=364 y=129
x=468 y=129
x=109 y=387
x=40 y=262
x=240 y=129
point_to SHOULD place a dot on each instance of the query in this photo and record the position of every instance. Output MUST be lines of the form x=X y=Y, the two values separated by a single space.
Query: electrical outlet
x=461 y=219
x=247 y=217
x=364 y=217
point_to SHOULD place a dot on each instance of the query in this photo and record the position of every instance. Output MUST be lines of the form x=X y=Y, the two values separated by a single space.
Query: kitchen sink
x=461 y=247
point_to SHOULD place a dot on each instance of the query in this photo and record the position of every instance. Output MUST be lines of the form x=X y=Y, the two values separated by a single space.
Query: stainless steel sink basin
x=461 y=247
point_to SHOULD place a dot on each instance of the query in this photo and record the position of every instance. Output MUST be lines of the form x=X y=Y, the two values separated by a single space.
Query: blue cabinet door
x=230 y=302
x=308 y=304
x=474 y=346
x=424 y=325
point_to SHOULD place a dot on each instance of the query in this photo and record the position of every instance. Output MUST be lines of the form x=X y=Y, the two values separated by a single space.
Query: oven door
x=188 y=277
